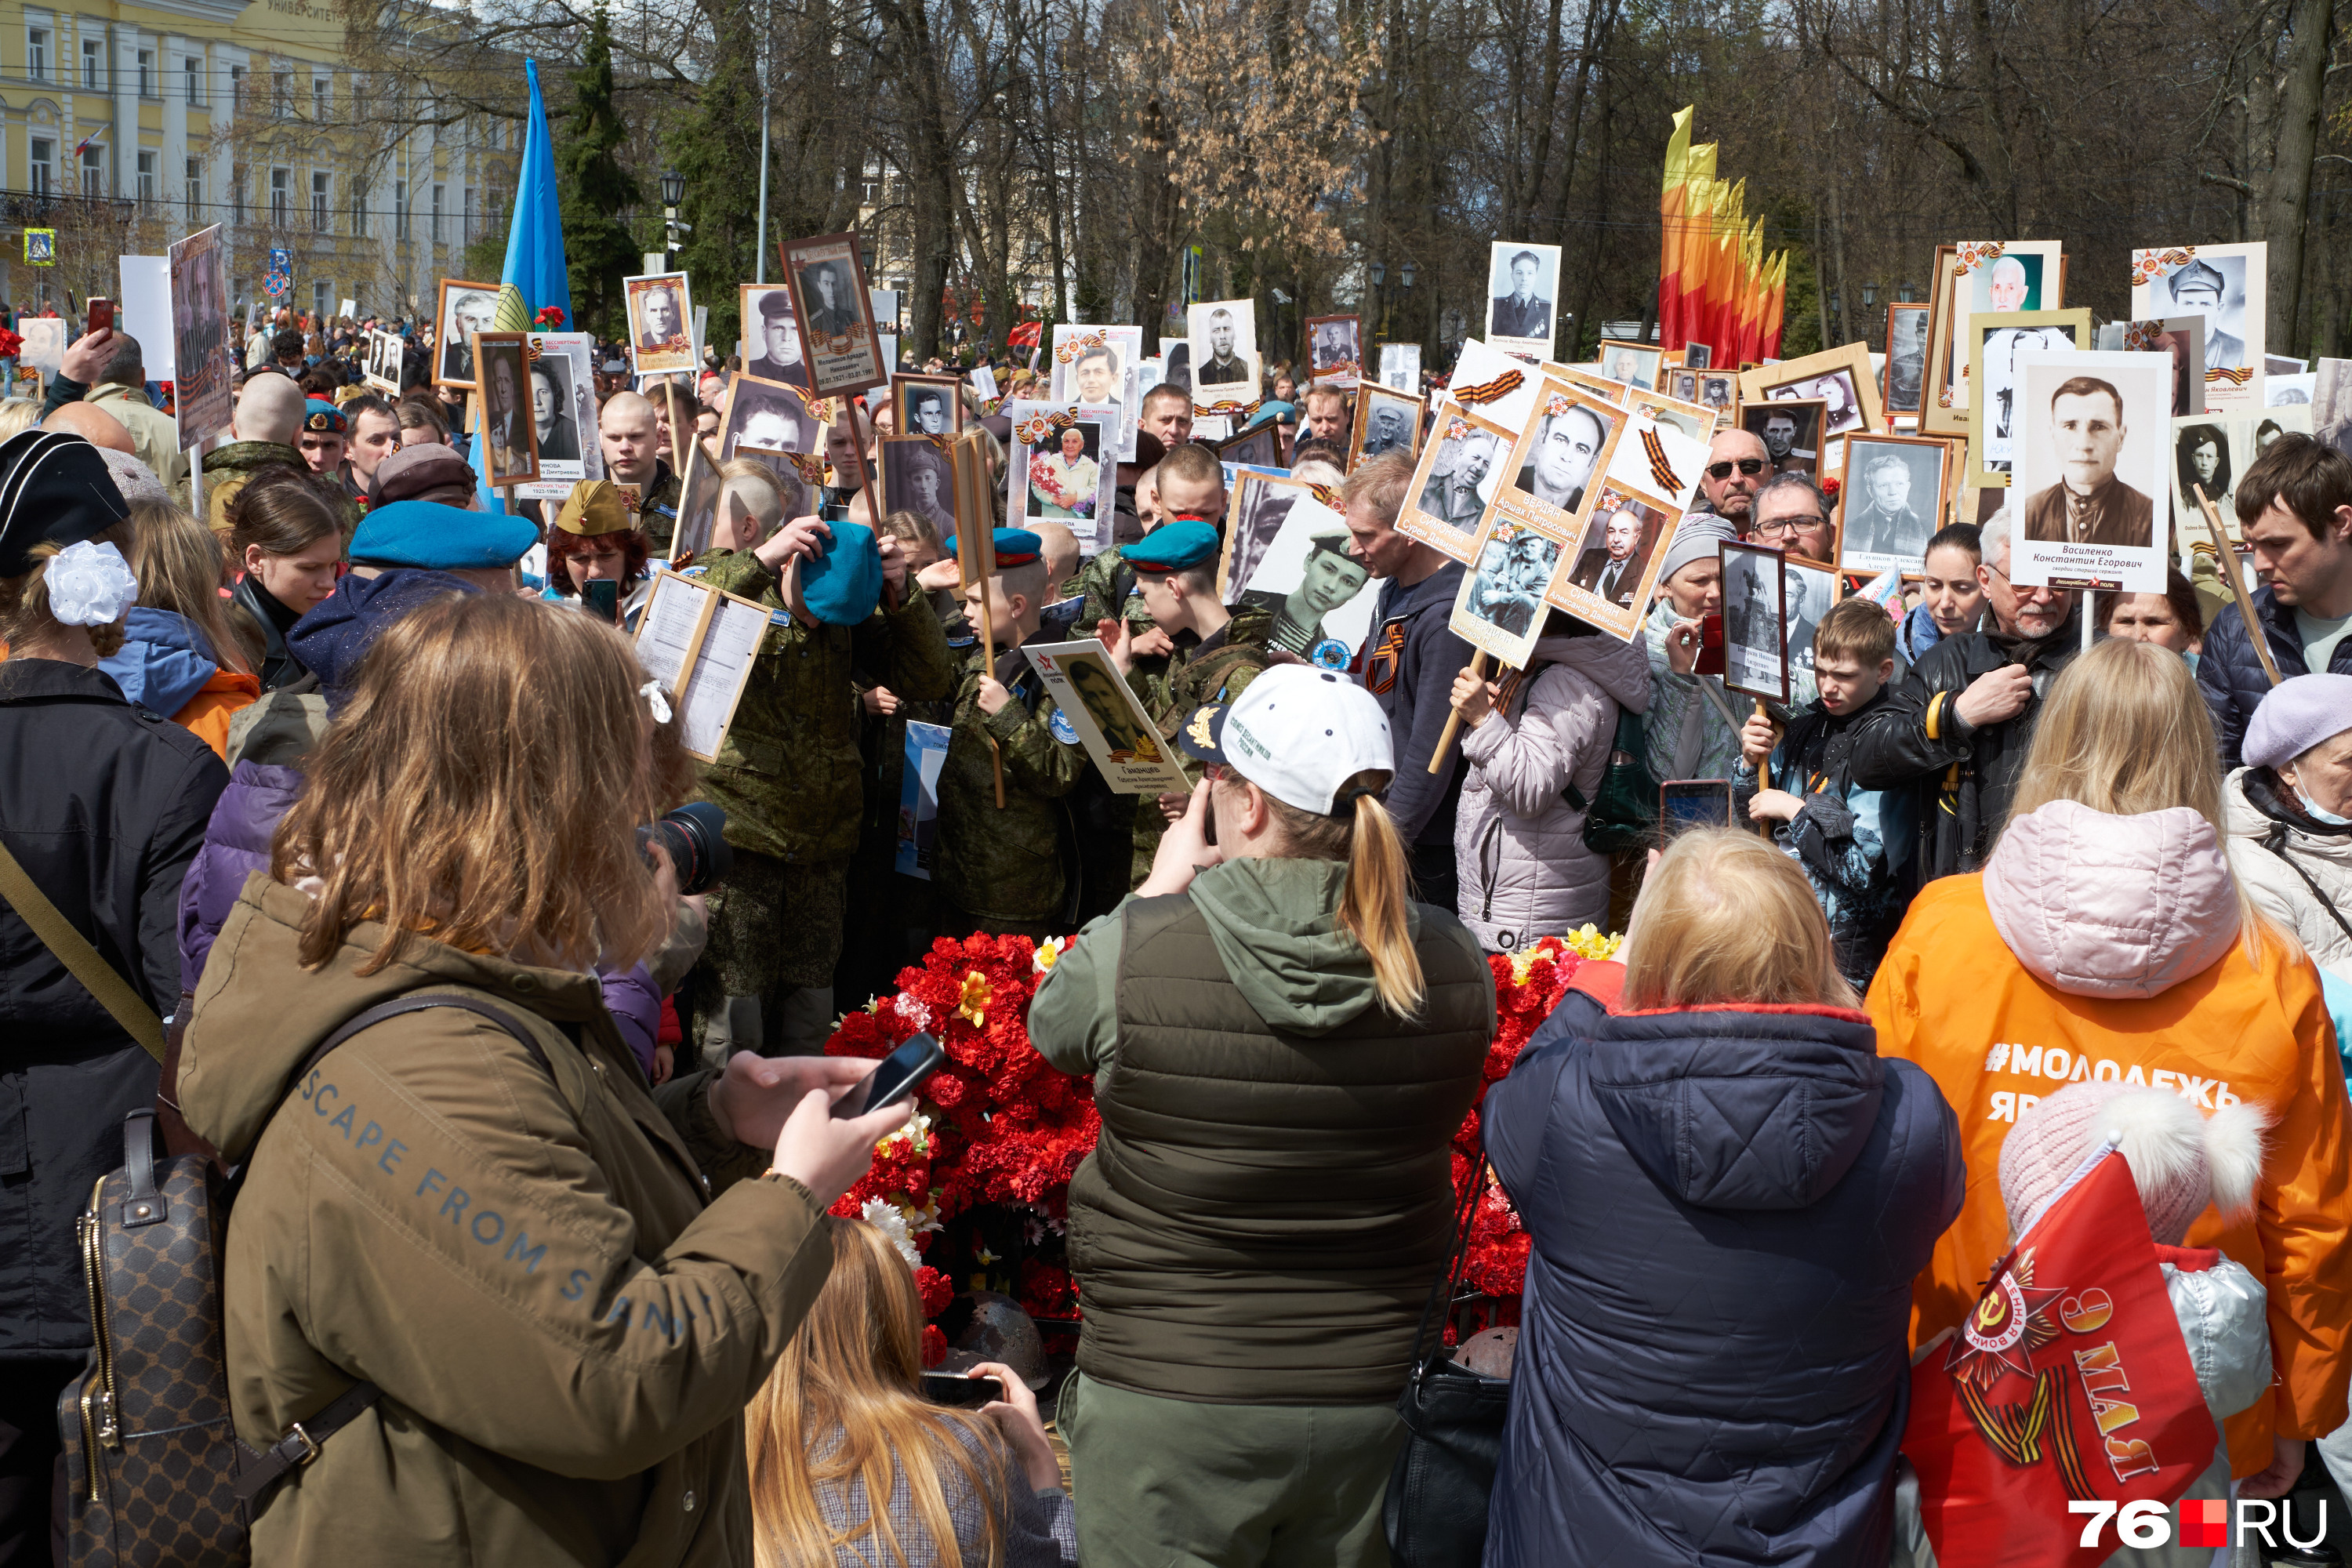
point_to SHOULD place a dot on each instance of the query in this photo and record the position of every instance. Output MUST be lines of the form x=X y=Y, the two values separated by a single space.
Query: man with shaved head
x=269 y=418
x=96 y=425
x=631 y=445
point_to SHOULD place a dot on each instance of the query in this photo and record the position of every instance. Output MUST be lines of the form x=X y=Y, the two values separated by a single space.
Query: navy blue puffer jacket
x=2229 y=673
x=1727 y=1206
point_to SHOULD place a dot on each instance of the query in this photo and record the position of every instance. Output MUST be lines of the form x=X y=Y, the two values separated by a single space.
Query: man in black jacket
x=2294 y=506
x=1409 y=662
x=1960 y=723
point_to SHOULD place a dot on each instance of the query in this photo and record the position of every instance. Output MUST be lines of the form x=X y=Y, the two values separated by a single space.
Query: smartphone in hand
x=894 y=1078
x=101 y=316
x=959 y=1391
x=603 y=597
x=1710 y=645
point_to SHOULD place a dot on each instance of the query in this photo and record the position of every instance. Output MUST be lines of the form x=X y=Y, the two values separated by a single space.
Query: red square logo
x=2204 y=1521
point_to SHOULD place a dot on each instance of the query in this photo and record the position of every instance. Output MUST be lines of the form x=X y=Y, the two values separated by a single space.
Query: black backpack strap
x=300 y=1443
x=2275 y=842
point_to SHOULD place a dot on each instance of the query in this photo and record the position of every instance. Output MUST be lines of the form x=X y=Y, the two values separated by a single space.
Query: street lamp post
x=673 y=188
x=1379 y=273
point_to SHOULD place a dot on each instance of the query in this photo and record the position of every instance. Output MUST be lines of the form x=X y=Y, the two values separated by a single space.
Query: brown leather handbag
x=155 y=1474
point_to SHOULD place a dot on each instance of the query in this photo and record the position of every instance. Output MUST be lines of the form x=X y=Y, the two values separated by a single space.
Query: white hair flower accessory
x=652 y=693
x=90 y=585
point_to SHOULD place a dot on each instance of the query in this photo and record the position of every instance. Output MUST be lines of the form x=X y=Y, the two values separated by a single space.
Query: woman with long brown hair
x=286 y=537
x=566 y=1284
x=1284 y=1044
x=842 y=1421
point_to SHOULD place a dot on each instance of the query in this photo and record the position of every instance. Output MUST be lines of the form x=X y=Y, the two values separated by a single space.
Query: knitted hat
x=1697 y=539
x=2183 y=1161
x=2296 y=715
x=412 y=472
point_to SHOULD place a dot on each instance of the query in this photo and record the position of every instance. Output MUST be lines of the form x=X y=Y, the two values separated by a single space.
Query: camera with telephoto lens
x=695 y=836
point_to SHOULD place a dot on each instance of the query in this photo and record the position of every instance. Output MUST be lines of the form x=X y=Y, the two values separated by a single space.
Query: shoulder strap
x=2275 y=842
x=300 y=1443
x=73 y=950
x=1457 y=1261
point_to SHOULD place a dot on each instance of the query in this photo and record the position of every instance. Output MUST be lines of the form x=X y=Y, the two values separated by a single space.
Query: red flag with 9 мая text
x=2069 y=1381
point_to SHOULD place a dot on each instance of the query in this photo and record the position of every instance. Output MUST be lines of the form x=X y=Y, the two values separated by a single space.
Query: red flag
x=2069 y=1381
x=1024 y=335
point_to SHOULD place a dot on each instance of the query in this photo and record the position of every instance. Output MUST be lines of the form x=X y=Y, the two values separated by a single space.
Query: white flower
x=911 y=1008
x=656 y=702
x=885 y=1217
x=916 y=1130
x=90 y=586
x=1049 y=952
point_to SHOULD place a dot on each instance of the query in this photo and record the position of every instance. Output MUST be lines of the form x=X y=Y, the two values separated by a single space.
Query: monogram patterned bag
x=155 y=1474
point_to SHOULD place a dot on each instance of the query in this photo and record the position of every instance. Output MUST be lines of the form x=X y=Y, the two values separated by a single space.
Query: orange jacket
x=207 y=714
x=1953 y=998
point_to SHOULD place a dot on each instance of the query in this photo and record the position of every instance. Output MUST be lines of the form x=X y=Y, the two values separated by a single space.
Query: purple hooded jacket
x=266 y=776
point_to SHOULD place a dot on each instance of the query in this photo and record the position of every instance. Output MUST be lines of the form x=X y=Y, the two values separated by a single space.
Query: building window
x=322 y=98
x=236 y=194
x=319 y=223
x=236 y=88
x=37 y=53
x=359 y=208
x=147 y=180
x=195 y=193
x=436 y=214
x=400 y=209
x=281 y=95
x=93 y=171
x=358 y=99
x=281 y=195
x=321 y=295
x=146 y=73
x=194 y=65
x=93 y=67
x=469 y=216
x=44 y=166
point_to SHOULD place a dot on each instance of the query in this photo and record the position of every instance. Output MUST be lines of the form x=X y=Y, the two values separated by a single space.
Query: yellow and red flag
x=1671 y=206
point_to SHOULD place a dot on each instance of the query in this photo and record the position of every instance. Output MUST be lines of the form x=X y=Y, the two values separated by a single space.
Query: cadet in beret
x=1002 y=872
x=325 y=432
x=596 y=539
x=790 y=776
x=1219 y=651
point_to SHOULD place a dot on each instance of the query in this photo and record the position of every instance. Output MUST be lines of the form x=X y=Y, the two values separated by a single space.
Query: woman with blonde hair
x=842 y=1421
x=536 y=1292
x=2108 y=941
x=1284 y=1045
x=179 y=655
x=1727 y=1193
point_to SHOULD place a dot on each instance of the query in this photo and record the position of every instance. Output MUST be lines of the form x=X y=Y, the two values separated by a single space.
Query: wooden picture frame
x=752 y=303
x=1808 y=443
x=453 y=350
x=1988 y=444
x=838 y=341
x=1345 y=374
x=902 y=463
x=1944 y=396
x=1437 y=510
x=1648 y=358
x=509 y=436
x=1750 y=666
x=1855 y=554
x=1896 y=396
x=655 y=349
x=901 y=402
x=1370 y=395
x=1259 y=446
x=1848 y=365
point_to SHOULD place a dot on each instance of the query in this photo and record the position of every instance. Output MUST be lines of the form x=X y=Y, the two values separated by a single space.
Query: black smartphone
x=1710 y=645
x=961 y=1392
x=603 y=597
x=101 y=315
x=894 y=1078
x=1685 y=804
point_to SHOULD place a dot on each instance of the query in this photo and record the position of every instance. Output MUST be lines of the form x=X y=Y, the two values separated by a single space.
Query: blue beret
x=319 y=414
x=1172 y=546
x=443 y=538
x=842 y=586
x=1274 y=408
x=1014 y=547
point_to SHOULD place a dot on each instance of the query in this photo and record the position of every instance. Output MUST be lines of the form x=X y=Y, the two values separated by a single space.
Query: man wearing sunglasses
x=1737 y=463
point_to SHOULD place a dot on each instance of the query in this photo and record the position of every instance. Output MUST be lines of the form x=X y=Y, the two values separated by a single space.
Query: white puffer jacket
x=2326 y=854
x=1518 y=845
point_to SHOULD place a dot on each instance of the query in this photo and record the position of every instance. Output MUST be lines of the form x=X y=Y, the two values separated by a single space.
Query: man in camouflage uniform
x=789 y=775
x=1217 y=653
x=1009 y=871
x=267 y=422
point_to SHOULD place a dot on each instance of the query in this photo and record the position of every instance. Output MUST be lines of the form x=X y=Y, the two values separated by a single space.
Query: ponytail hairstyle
x=1376 y=903
x=24 y=608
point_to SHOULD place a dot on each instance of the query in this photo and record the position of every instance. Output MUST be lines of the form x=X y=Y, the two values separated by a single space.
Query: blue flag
x=535 y=275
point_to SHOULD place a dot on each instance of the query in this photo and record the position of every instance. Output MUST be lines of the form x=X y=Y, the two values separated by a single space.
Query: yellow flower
x=977 y=994
x=1049 y=953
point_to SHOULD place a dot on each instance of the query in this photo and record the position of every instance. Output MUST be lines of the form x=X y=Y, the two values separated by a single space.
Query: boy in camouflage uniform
x=1218 y=652
x=1009 y=871
x=790 y=777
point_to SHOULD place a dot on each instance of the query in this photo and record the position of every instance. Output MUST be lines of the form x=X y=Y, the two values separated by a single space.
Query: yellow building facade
x=126 y=126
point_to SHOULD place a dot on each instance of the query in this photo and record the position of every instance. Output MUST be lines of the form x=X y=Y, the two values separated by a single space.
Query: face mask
x=2327 y=817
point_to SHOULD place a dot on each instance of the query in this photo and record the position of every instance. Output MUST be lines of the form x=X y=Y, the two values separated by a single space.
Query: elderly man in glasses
x=1737 y=463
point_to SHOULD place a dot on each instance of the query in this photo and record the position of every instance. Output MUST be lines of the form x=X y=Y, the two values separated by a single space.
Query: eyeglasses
x=1780 y=526
x=1751 y=466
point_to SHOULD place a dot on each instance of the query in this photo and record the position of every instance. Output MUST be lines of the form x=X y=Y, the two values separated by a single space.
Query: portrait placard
x=1891 y=498
x=1501 y=605
x=1995 y=339
x=1133 y=756
x=1562 y=451
x=382 y=370
x=1096 y=367
x=1906 y=356
x=1755 y=625
x=1259 y=446
x=775 y=418
x=1522 y=282
x=1841 y=377
x=926 y=404
x=661 y=316
x=1386 y=421
x=975 y=508
x=1335 y=351
x=772 y=333
x=1611 y=575
x=564 y=415
x=1813 y=587
x=1060 y=467
x=918 y=475
x=1791 y=429
x=1224 y=364
x=1978 y=275
x=204 y=360
x=1261 y=503
x=1631 y=364
x=1659 y=461
x=1699 y=356
x=509 y=436
x=835 y=314
x=2227 y=285
x=462 y=309
x=2095 y=443
x=1460 y=469
x=2182 y=337
x=1321 y=596
x=1400 y=367
x=2213 y=450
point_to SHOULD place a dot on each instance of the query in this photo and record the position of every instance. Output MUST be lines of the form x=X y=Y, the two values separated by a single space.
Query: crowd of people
x=352 y=735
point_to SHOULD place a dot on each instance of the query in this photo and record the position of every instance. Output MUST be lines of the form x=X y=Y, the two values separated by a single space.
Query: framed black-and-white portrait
x=464 y=310
x=1791 y=429
x=382 y=368
x=1611 y=574
x=1891 y=498
x=1755 y=624
x=835 y=313
x=1813 y=587
x=2227 y=285
x=1522 y=284
x=926 y=404
x=1223 y=337
x=771 y=334
x=2093 y=462
x=1564 y=449
x=509 y=438
x=1335 y=351
x=1995 y=340
x=1840 y=377
x=1385 y=422
x=1906 y=356
x=918 y=475
x=1260 y=505
x=1305 y=574
x=1501 y=607
x=772 y=420
x=1461 y=465
x=1631 y=364
x=661 y=322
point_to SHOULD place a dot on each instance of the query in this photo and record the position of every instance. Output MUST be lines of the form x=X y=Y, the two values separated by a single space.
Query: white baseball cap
x=1299 y=734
